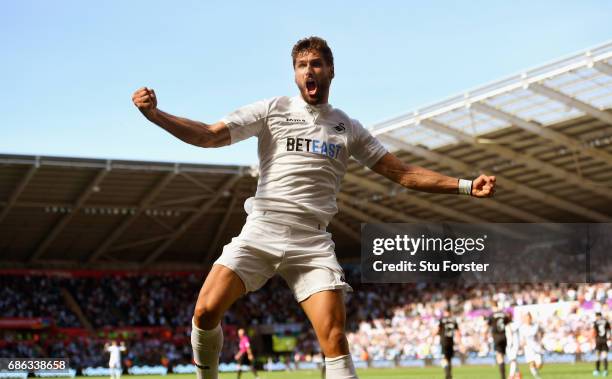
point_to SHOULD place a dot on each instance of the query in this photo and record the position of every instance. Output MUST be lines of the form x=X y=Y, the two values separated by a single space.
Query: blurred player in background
x=114 y=362
x=513 y=344
x=449 y=333
x=497 y=325
x=531 y=336
x=602 y=336
x=245 y=354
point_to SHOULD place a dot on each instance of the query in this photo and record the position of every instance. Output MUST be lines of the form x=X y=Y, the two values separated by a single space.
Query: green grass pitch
x=550 y=371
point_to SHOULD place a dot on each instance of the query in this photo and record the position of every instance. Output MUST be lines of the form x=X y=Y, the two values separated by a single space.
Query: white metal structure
x=546 y=134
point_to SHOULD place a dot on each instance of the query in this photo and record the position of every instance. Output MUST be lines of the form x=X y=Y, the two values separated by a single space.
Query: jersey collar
x=320 y=108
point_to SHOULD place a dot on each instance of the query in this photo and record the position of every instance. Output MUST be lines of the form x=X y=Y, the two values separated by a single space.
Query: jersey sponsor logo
x=314 y=146
x=295 y=120
x=340 y=128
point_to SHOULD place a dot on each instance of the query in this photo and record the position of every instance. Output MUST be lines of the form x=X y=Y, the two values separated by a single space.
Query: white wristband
x=465 y=187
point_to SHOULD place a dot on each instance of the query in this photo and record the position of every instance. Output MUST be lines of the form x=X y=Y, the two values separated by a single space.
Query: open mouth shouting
x=311 y=87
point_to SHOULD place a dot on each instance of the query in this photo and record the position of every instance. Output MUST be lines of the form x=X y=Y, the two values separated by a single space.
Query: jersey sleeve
x=364 y=147
x=247 y=121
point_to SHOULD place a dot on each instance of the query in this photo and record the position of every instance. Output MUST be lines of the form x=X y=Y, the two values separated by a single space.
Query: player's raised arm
x=422 y=179
x=193 y=132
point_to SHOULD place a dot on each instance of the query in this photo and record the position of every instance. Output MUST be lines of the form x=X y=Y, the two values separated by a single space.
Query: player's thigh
x=220 y=290
x=499 y=356
x=326 y=311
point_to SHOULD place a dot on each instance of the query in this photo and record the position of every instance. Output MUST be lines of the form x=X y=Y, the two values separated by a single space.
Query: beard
x=317 y=96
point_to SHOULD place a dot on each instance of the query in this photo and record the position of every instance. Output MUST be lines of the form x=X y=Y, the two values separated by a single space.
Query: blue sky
x=69 y=68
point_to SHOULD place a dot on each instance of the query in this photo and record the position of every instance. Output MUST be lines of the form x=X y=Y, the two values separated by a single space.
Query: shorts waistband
x=293 y=219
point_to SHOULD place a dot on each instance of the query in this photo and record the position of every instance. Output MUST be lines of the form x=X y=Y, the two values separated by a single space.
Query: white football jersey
x=530 y=335
x=115 y=353
x=303 y=153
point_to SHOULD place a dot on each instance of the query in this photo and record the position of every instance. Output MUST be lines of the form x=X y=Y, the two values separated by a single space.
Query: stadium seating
x=385 y=321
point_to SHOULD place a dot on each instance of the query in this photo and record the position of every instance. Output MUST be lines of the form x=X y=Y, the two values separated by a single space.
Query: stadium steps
x=75 y=308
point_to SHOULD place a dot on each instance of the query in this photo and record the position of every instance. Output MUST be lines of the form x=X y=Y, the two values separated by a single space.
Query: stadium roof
x=545 y=133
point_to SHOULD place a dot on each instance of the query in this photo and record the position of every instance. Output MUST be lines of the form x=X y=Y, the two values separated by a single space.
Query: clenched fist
x=145 y=100
x=483 y=186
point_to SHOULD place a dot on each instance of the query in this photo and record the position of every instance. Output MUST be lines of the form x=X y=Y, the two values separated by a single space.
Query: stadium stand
x=386 y=322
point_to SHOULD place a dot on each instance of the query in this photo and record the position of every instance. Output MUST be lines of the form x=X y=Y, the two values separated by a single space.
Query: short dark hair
x=313 y=43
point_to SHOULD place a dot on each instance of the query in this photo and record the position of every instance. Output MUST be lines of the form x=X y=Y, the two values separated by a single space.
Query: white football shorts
x=533 y=355
x=296 y=248
x=512 y=352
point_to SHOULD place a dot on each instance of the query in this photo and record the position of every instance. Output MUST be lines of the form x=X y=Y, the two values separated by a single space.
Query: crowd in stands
x=384 y=321
x=408 y=328
x=155 y=300
x=144 y=300
x=35 y=296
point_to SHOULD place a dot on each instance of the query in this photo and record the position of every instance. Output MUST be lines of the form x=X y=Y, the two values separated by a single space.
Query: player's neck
x=320 y=105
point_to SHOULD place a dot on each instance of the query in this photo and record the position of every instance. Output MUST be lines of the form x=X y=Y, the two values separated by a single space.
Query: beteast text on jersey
x=314 y=146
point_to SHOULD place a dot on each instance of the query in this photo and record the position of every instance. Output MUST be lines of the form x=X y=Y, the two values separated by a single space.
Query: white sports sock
x=340 y=368
x=512 y=368
x=206 y=346
x=534 y=372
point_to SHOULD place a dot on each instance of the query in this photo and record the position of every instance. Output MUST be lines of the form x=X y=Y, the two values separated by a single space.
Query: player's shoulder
x=339 y=112
x=272 y=103
x=281 y=102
